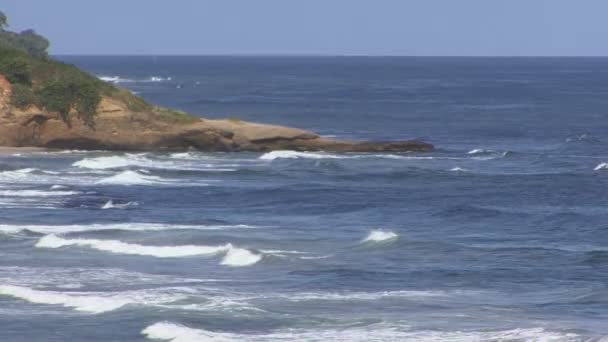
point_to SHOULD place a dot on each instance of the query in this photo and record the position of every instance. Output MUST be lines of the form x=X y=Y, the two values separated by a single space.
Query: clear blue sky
x=326 y=27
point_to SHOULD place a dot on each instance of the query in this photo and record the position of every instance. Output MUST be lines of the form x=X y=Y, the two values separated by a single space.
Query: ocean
x=501 y=234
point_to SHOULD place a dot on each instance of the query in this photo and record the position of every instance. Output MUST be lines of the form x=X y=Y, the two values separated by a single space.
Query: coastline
x=9 y=150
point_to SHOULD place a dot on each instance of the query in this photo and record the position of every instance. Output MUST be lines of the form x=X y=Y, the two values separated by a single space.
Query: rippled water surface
x=499 y=235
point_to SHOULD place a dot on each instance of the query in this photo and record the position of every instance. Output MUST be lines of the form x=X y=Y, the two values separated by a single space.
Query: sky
x=318 y=27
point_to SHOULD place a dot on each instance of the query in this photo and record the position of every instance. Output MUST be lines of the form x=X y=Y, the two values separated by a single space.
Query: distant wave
x=232 y=256
x=132 y=178
x=583 y=138
x=295 y=155
x=118 y=79
x=58 y=229
x=323 y=155
x=36 y=193
x=111 y=205
x=379 y=235
x=483 y=154
x=24 y=174
x=366 y=296
x=601 y=166
x=458 y=169
x=142 y=160
x=114 y=162
x=96 y=302
x=172 y=332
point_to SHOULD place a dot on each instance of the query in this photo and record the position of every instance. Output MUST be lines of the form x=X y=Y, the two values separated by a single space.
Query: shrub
x=69 y=93
x=23 y=96
x=15 y=67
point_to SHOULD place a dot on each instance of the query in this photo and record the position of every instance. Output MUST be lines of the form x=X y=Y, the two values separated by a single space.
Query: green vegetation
x=40 y=81
x=174 y=116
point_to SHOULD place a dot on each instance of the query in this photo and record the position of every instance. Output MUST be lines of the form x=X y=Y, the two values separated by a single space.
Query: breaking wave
x=379 y=235
x=111 y=205
x=238 y=257
x=274 y=155
x=233 y=256
x=295 y=155
x=601 y=166
x=373 y=333
x=483 y=154
x=114 y=162
x=94 y=303
x=55 y=229
x=129 y=177
x=36 y=193
x=144 y=161
x=118 y=79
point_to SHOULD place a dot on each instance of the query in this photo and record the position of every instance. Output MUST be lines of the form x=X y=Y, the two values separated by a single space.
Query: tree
x=33 y=43
x=3 y=20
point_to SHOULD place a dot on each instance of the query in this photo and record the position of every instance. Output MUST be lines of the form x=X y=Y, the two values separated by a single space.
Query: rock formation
x=118 y=128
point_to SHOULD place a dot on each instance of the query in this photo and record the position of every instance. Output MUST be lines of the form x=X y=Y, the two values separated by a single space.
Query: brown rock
x=118 y=128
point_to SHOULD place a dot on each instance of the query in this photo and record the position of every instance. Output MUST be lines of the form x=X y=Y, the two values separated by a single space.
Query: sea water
x=501 y=234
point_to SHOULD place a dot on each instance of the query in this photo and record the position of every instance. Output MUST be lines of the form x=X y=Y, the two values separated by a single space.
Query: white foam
x=323 y=155
x=92 y=304
x=379 y=235
x=602 y=166
x=129 y=177
x=111 y=205
x=36 y=193
x=175 y=162
x=480 y=151
x=368 y=296
x=172 y=332
x=115 y=79
x=95 y=302
x=295 y=155
x=158 y=79
x=239 y=257
x=59 y=229
x=119 y=247
x=483 y=154
x=113 y=162
x=58 y=187
x=458 y=169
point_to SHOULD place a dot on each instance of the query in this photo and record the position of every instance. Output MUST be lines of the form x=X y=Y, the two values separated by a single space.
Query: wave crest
x=111 y=205
x=41 y=229
x=379 y=235
x=173 y=332
x=96 y=302
x=236 y=257
x=601 y=166
x=129 y=177
x=119 y=247
x=297 y=155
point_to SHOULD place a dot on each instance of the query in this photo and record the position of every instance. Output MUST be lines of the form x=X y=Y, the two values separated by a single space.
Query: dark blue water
x=499 y=235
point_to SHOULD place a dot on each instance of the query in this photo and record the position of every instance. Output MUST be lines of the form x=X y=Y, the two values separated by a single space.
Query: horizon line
x=315 y=55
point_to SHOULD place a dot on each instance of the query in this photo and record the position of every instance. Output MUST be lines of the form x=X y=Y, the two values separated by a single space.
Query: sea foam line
x=274 y=155
x=95 y=302
x=58 y=229
x=233 y=256
x=381 y=332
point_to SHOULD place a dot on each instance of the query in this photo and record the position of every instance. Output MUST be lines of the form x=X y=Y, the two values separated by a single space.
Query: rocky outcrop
x=118 y=128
